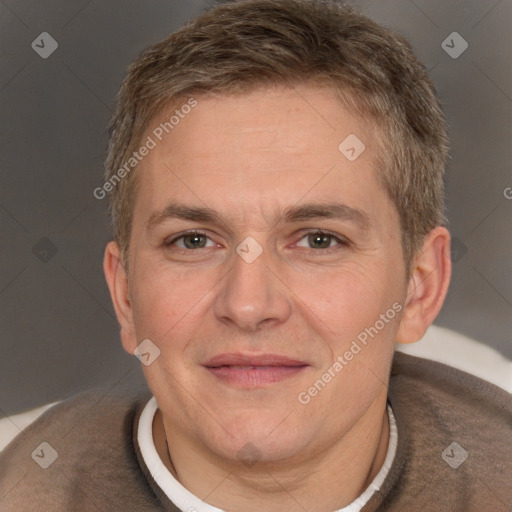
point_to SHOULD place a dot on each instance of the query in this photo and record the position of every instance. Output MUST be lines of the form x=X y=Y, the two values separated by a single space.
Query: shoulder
x=76 y=452
x=454 y=434
x=459 y=351
x=451 y=377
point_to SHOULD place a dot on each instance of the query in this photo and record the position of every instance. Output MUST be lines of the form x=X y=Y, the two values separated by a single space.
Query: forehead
x=275 y=117
x=258 y=152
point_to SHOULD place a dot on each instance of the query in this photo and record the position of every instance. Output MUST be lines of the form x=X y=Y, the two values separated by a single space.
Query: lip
x=253 y=370
x=236 y=359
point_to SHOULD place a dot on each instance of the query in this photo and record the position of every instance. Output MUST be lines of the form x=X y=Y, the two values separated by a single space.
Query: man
x=275 y=172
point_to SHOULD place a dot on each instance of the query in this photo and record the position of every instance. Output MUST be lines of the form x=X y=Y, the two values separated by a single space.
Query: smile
x=253 y=371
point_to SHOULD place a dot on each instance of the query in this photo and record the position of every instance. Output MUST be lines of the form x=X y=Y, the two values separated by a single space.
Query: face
x=259 y=253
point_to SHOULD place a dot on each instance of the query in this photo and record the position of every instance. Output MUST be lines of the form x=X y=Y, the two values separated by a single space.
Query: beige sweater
x=99 y=467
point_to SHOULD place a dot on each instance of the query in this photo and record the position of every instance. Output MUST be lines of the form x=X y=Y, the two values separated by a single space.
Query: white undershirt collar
x=186 y=501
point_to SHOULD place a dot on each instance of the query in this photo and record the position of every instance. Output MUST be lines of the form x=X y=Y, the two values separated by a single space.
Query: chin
x=257 y=437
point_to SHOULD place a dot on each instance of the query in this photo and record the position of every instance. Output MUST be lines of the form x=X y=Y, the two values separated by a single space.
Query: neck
x=330 y=480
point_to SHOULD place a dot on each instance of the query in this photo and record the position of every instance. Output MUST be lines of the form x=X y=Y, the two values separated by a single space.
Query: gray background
x=59 y=333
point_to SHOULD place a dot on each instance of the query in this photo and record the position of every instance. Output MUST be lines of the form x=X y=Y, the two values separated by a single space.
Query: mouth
x=253 y=371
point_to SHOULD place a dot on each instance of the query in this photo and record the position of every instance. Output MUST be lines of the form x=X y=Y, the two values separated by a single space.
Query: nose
x=252 y=295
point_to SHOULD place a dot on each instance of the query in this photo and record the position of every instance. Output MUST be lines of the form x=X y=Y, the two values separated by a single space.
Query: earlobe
x=117 y=282
x=428 y=286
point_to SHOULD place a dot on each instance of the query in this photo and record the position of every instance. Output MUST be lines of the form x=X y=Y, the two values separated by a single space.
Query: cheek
x=356 y=305
x=169 y=302
x=346 y=299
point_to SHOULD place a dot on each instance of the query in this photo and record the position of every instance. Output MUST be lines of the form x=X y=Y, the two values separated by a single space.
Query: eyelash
x=341 y=241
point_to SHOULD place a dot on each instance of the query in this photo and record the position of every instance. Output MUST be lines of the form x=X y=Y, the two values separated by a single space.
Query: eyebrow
x=309 y=211
x=183 y=212
x=338 y=211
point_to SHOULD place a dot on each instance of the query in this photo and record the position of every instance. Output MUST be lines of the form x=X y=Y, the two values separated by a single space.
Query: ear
x=428 y=285
x=117 y=281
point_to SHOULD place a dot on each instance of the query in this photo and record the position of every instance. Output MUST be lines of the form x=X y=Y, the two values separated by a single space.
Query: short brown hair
x=240 y=45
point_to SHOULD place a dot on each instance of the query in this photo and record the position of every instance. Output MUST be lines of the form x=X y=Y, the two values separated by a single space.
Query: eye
x=321 y=240
x=191 y=240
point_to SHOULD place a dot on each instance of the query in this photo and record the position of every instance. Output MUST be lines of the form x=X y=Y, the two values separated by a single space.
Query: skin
x=250 y=157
